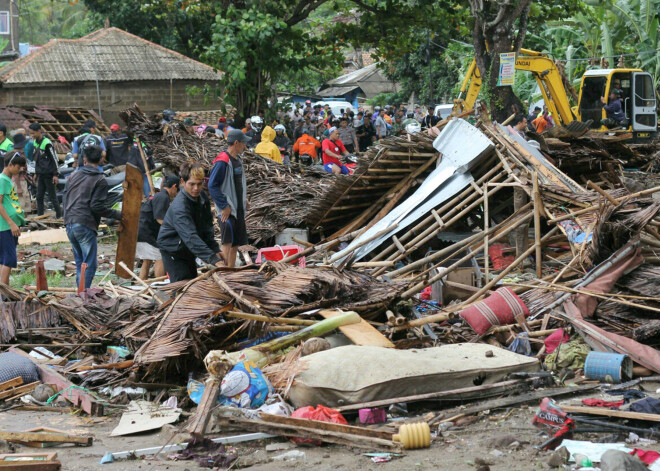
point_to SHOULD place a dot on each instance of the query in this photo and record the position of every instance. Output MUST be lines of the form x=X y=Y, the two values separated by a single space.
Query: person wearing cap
x=118 y=146
x=614 y=110
x=430 y=119
x=88 y=135
x=228 y=189
x=333 y=150
x=152 y=214
x=348 y=136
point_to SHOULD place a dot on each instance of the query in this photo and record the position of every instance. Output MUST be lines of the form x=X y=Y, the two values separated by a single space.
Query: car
x=443 y=110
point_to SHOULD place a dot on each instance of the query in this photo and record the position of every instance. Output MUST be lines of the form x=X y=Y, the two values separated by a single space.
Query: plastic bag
x=244 y=386
x=321 y=413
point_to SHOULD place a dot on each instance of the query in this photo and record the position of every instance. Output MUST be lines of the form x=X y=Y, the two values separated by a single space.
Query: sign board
x=507 y=69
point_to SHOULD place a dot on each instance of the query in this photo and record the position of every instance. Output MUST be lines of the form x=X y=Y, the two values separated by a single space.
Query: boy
x=85 y=201
x=11 y=214
x=152 y=215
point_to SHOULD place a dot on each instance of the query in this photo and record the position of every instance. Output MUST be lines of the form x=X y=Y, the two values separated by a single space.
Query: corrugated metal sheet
x=336 y=91
x=109 y=55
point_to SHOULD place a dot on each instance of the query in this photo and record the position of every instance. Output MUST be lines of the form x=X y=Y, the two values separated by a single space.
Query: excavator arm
x=544 y=71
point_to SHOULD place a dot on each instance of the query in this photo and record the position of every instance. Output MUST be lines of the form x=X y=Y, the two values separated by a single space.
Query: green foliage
x=43 y=20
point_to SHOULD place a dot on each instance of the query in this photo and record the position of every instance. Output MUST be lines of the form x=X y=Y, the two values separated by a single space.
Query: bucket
x=608 y=367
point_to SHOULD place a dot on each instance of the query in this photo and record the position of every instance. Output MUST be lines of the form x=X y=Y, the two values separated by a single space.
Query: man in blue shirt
x=614 y=110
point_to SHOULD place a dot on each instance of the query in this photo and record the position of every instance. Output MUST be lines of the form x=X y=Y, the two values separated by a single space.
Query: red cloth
x=647 y=456
x=333 y=146
x=553 y=340
x=600 y=403
x=426 y=293
x=498 y=259
x=499 y=308
x=320 y=413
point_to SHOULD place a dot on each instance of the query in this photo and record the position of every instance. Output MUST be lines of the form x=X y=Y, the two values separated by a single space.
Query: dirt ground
x=489 y=439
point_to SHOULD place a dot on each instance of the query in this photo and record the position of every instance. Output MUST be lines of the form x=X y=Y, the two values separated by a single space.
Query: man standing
x=347 y=136
x=398 y=128
x=187 y=230
x=85 y=202
x=228 y=188
x=430 y=119
x=88 y=135
x=152 y=214
x=333 y=150
x=518 y=125
x=299 y=130
x=45 y=167
x=118 y=146
x=381 y=126
x=11 y=214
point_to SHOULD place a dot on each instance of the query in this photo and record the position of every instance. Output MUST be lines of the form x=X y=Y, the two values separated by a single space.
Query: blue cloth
x=344 y=169
x=216 y=178
x=145 y=185
x=83 y=242
x=8 y=245
x=615 y=111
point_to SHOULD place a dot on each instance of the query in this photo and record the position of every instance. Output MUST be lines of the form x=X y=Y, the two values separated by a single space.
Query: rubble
x=467 y=246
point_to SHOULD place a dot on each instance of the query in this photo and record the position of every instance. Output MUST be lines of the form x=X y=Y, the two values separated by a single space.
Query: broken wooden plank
x=328 y=436
x=317 y=424
x=46 y=436
x=477 y=392
x=19 y=390
x=29 y=462
x=77 y=397
x=361 y=333
x=200 y=419
x=618 y=414
x=51 y=236
x=11 y=383
x=130 y=209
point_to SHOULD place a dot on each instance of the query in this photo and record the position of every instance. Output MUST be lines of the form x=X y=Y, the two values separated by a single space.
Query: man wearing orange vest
x=306 y=145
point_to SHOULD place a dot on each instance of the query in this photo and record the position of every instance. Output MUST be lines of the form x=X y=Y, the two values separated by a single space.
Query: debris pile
x=460 y=273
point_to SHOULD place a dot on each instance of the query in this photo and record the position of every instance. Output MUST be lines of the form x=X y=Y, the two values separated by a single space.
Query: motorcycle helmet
x=413 y=128
x=351 y=159
x=168 y=115
x=256 y=123
x=306 y=159
x=280 y=128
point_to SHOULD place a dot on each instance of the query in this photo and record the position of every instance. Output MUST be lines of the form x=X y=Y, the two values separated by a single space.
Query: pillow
x=500 y=308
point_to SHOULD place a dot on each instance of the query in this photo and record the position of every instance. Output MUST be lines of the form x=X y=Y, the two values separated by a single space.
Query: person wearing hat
x=187 y=230
x=228 y=189
x=615 y=115
x=333 y=150
x=152 y=214
x=118 y=146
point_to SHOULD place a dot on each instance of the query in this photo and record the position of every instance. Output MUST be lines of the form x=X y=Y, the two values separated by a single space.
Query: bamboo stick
x=349 y=250
x=486 y=227
x=261 y=318
x=141 y=282
x=537 y=224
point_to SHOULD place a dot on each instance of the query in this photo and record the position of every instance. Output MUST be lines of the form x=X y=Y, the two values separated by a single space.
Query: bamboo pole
x=261 y=318
x=506 y=271
x=458 y=246
x=598 y=206
x=146 y=167
x=349 y=250
x=486 y=227
x=537 y=224
x=419 y=286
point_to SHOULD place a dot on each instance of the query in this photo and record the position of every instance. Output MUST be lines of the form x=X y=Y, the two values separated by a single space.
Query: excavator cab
x=637 y=100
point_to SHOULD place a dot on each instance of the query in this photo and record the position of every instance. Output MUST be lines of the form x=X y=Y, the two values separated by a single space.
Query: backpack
x=85 y=140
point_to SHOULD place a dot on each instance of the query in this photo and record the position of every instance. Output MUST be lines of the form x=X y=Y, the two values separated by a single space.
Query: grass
x=18 y=279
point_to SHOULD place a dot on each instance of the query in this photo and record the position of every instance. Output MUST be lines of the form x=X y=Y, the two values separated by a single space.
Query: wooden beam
x=200 y=419
x=46 y=437
x=619 y=414
x=128 y=234
x=77 y=397
x=26 y=388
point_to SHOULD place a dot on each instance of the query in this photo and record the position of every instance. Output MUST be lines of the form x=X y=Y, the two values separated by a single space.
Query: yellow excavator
x=636 y=87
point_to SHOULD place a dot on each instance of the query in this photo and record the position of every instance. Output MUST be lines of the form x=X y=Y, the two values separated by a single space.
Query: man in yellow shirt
x=266 y=148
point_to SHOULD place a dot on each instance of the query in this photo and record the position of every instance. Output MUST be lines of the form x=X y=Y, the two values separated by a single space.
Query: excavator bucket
x=573 y=129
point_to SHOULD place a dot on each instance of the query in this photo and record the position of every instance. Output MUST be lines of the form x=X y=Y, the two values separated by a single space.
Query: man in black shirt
x=430 y=119
x=151 y=217
x=118 y=145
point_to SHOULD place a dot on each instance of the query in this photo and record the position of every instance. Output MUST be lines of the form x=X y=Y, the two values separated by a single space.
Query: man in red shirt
x=333 y=150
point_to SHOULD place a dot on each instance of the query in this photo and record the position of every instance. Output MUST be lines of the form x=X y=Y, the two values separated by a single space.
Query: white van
x=443 y=111
x=336 y=106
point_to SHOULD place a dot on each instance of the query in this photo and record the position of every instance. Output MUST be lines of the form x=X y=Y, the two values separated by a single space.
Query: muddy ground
x=504 y=438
